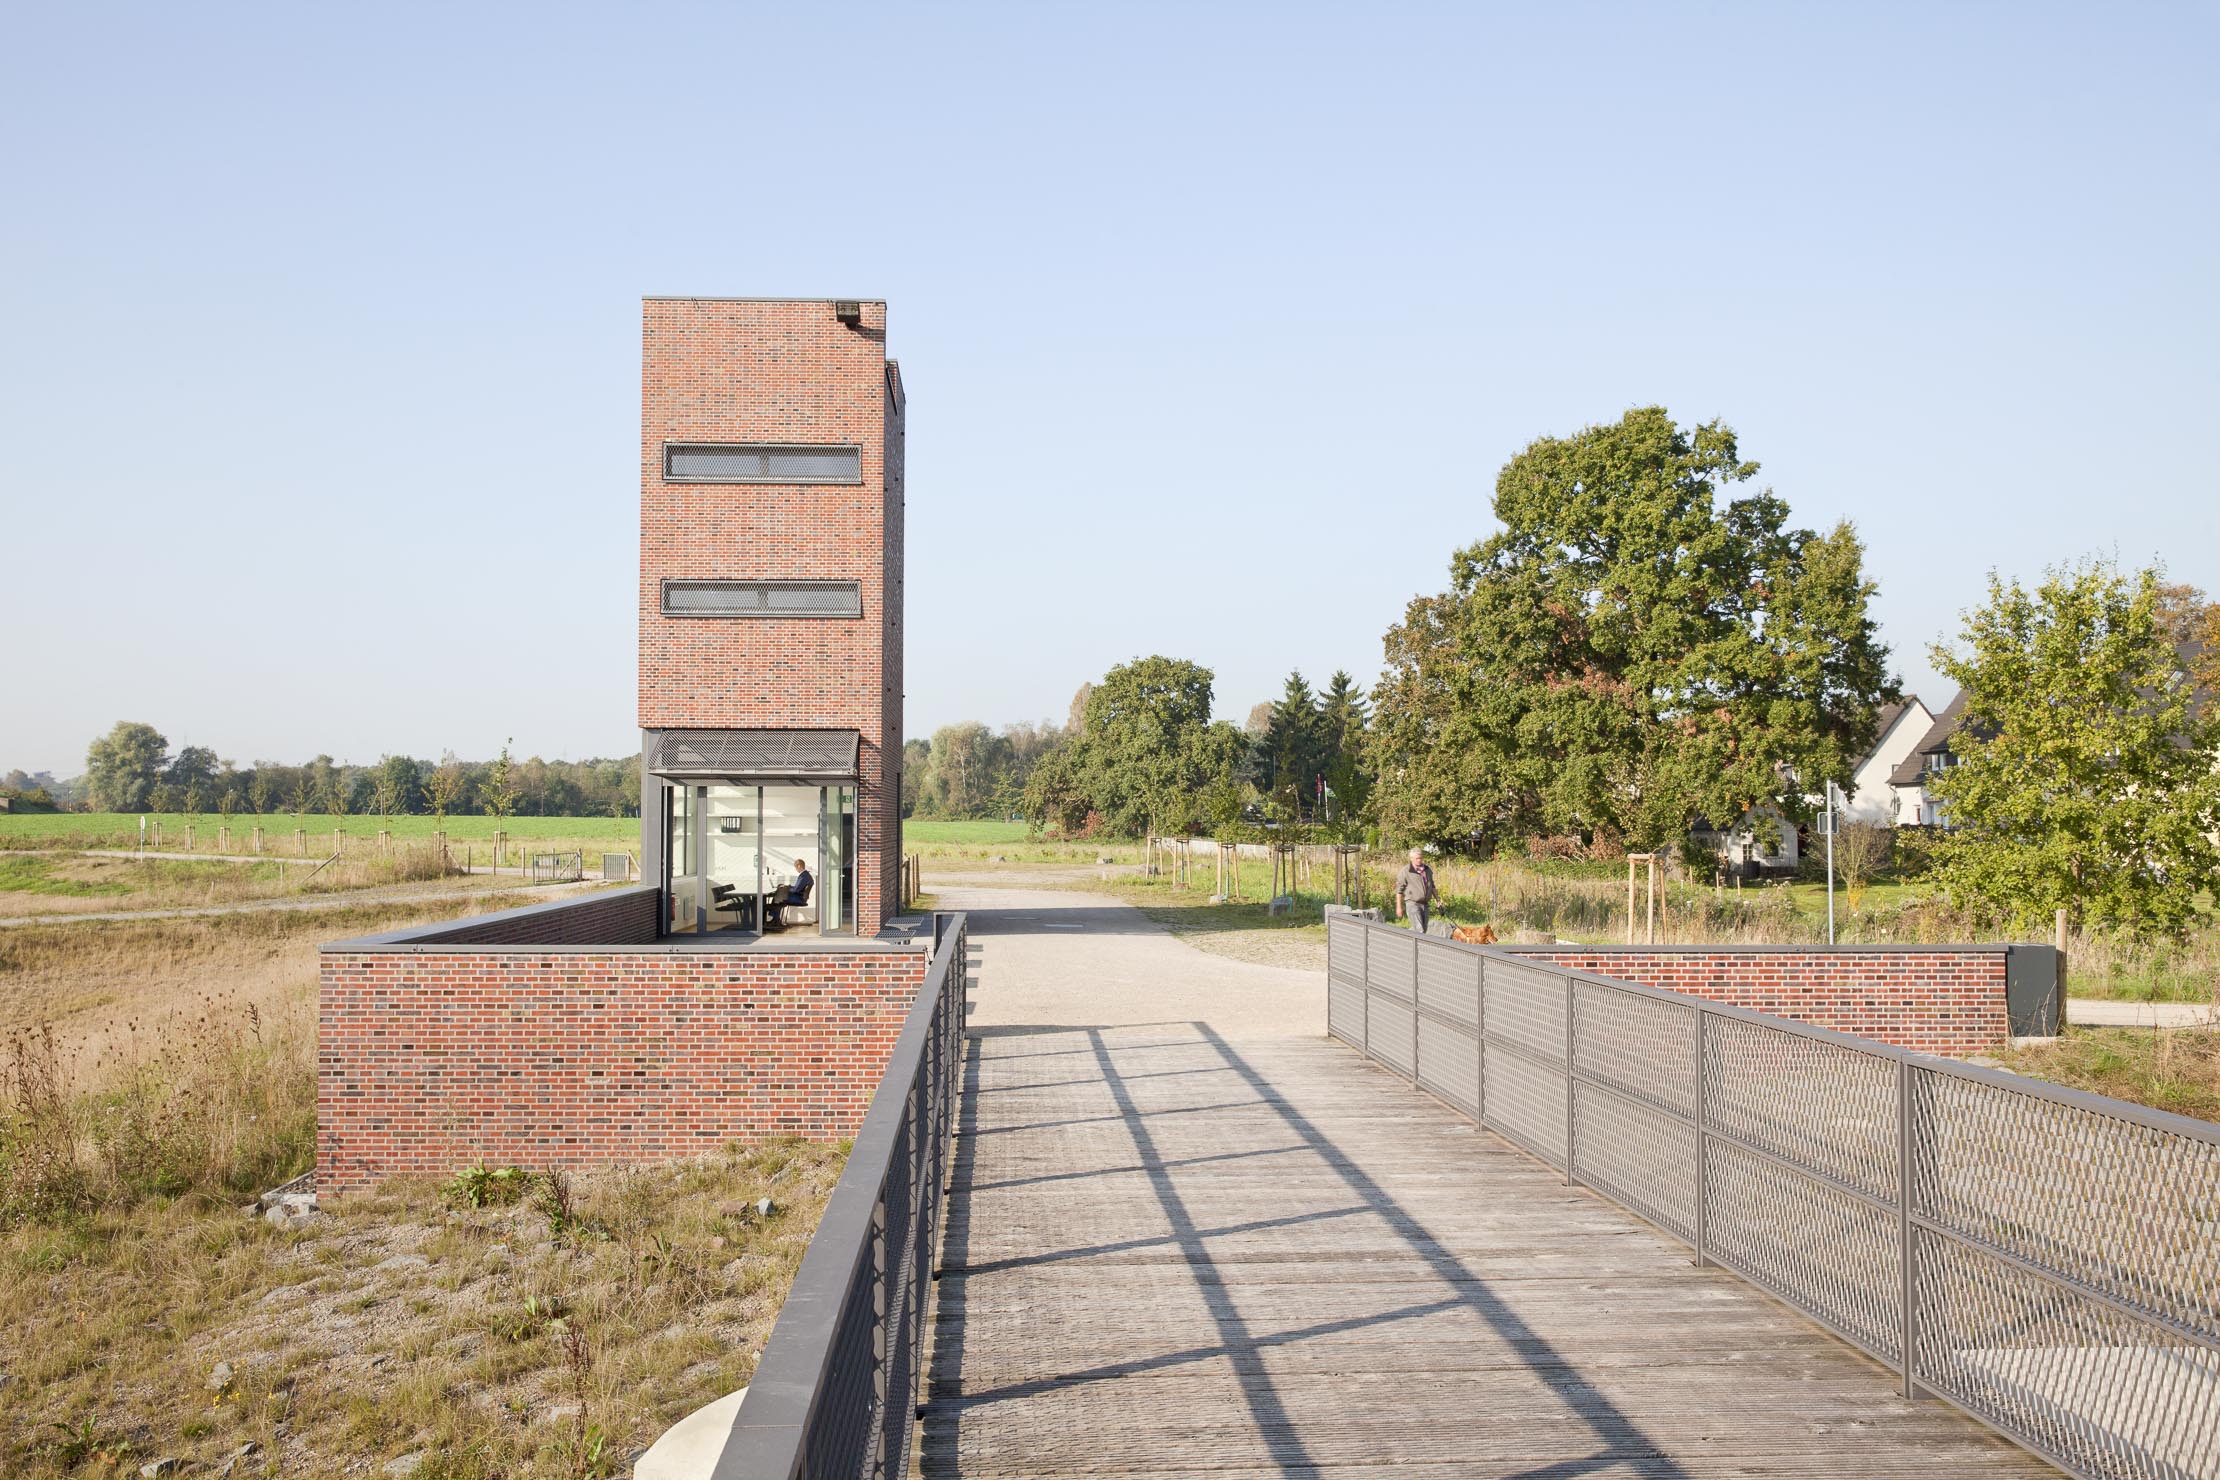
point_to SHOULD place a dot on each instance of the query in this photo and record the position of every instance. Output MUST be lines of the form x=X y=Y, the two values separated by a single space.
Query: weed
x=88 y=1439
x=539 y=1315
x=482 y=1186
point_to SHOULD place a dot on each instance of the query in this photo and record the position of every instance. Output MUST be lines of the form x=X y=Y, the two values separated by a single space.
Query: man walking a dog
x=1414 y=891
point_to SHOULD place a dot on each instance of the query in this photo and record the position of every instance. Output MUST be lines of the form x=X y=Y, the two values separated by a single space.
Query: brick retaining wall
x=443 y=1047
x=1946 y=1001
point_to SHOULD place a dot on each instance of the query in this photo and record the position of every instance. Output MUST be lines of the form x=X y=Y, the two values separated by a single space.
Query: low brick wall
x=1945 y=1000
x=617 y=917
x=443 y=1047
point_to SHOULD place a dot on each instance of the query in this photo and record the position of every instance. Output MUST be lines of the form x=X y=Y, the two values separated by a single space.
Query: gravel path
x=1136 y=970
x=2090 y=1012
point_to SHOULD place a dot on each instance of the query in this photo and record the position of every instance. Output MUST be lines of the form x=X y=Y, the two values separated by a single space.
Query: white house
x=1901 y=729
x=1763 y=841
x=1915 y=804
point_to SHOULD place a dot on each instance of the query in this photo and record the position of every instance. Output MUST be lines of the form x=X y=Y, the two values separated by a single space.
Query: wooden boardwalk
x=1173 y=1254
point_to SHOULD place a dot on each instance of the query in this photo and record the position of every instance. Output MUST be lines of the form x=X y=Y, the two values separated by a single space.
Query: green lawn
x=121 y=829
x=937 y=830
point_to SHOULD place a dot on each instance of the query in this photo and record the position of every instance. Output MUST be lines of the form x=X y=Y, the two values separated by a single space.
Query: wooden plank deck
x=1173 y=1254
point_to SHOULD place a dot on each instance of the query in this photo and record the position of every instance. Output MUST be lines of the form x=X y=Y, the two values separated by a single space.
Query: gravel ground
x=1033 y=943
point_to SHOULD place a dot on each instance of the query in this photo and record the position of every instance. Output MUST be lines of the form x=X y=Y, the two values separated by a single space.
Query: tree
x=2084 y=776
x=385 y=797
x=1344 y=721
x=443 y=790
x=1293 y=754
x=405 y=778
x=195 y=765
x=961 y=770
x=260 y=792
x=917 y=758
x=1860 y=850
x=123 y=767
x=500 y=792
x=1635 y=651
x=1144 y=754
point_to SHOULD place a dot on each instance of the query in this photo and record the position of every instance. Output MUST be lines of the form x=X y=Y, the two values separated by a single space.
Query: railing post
x=1364 y=979
x=1480 y=1044
x=1416 y=946
x=1703 y=1151
x=1904 y=1140
x=1570 y=1111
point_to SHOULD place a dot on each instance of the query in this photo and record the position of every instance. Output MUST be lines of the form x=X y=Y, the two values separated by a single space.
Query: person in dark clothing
x=793 y=895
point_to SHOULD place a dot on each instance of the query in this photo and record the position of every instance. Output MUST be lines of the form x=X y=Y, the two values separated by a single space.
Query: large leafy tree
x=1144 y=753
x=2084 y=777
x=1638 y=649
x=123 y=767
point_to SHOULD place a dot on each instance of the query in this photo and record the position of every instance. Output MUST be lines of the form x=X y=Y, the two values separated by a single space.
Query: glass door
x=836 y=845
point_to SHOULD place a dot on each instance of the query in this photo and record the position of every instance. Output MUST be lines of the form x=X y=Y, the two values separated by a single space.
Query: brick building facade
x=770 y=600
x=718 y=1000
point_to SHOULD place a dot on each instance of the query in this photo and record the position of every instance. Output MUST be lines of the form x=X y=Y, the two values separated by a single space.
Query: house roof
x=1937 y=738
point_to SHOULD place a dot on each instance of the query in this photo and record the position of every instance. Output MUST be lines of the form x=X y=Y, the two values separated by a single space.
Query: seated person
x=795 y=894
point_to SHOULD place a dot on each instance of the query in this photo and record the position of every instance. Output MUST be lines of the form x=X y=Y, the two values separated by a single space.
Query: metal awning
x=813 y=756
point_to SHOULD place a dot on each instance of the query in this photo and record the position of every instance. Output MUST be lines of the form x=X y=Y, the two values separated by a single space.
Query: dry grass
x=155 y=1075
x=103 y=987
x=75 y=883
x=2175 y=1069
x=395 y=1324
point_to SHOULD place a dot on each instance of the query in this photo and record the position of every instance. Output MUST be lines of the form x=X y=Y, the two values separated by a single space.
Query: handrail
x=2043 y=1258
x=834 y=1394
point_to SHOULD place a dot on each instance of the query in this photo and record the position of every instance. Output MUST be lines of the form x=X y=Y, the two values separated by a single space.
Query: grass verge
x=2175 y=1069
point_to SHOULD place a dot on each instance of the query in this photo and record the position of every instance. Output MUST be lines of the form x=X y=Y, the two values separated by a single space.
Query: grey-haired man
x=1414 y=891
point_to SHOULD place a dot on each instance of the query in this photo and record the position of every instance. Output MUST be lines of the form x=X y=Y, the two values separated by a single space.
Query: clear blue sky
x=319 y=328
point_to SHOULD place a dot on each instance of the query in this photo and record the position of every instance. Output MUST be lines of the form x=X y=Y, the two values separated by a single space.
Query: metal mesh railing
x=2047 y=1260
x=835 y=1396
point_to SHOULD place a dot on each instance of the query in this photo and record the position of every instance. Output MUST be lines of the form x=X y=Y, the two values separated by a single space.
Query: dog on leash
x=1475 y=935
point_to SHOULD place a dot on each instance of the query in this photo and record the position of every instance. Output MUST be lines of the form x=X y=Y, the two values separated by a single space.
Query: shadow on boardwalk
x=1169 y=1253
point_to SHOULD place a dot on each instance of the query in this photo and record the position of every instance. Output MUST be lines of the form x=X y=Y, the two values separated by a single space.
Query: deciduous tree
x=1639 y=648
x=123 y=767
x=2084 y=777
x=1143 y=755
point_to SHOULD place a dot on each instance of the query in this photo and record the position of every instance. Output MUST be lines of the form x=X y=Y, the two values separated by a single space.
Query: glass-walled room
x=759 y=859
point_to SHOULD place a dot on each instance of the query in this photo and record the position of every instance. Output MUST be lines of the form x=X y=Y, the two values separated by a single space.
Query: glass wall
x=682 y=862
x=836 y=831
x=733 y=853
x=732 y=831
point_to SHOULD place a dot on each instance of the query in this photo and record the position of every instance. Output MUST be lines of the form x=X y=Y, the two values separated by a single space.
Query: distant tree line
x=131 y=769
x=1140 y=752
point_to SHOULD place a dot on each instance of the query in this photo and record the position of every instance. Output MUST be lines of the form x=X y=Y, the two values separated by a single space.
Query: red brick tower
x=770 y=613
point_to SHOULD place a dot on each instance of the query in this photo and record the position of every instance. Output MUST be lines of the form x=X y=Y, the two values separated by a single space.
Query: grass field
x=121 y=829
x=927 y=830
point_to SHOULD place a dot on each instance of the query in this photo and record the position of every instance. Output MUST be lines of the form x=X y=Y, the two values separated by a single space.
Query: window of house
x=762 y=599
x=760 y=462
